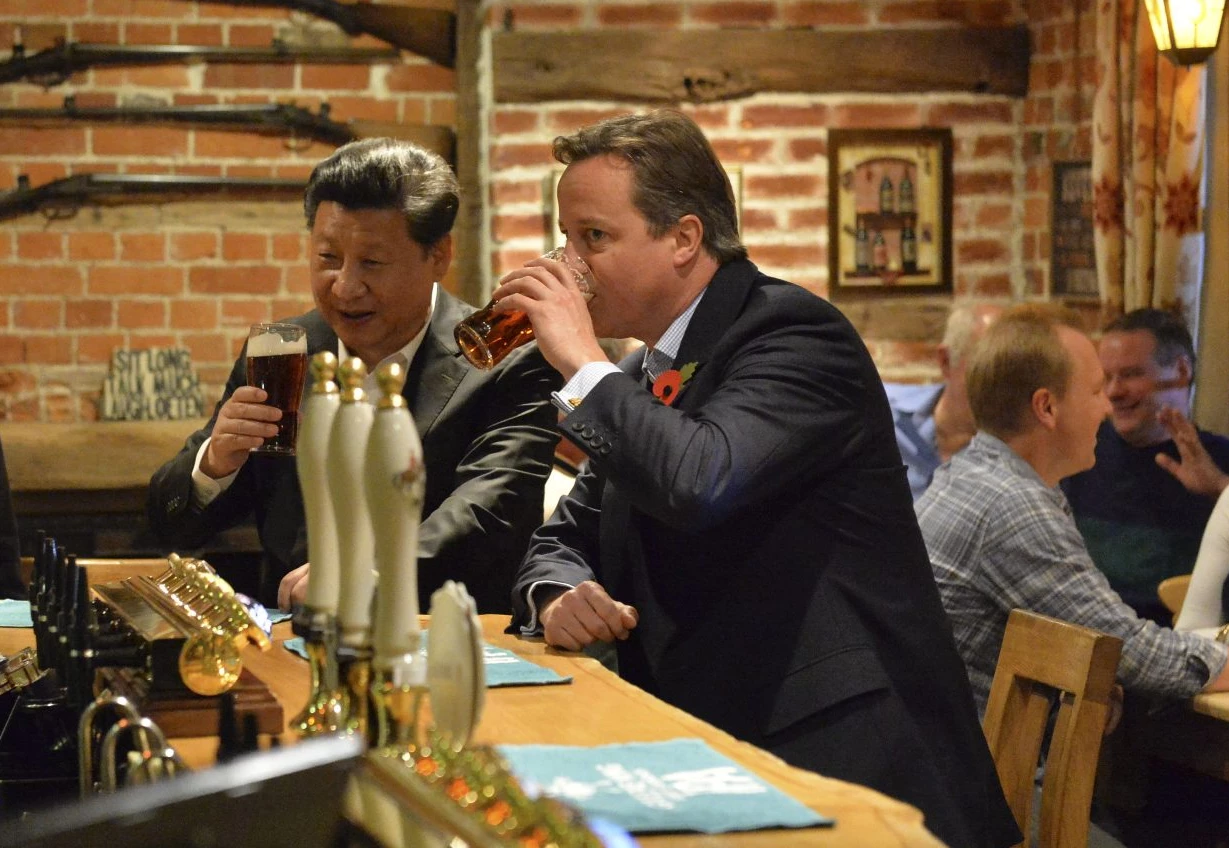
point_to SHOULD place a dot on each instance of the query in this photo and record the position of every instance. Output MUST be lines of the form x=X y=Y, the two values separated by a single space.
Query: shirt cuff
x=534 y=627
x=204 y=488
x=582 y=382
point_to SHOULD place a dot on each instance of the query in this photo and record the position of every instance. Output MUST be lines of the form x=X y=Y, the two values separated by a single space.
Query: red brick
x=988 y=146
x=87 y=407
x=142 y=247
x=505 y=260
x=131 y=314
x=507 y=227
x=193 y=245
x=245 y=246
x=656 y=15
x=88 y=246
x=124 y=279
x=786 y=255
x=806 y=149
x=94 y=312
x=982 y=12
x=826 y=13
x=229 y=280
x=816 y=217
x=504 y=192
x=12 y=381
x=129 y=9
x=38 y=314
x=990 y=285
x=710 y=116
x=512 y=155
x=731 y=151
x=39 y=279
x=1028 y=247
x=287 y=307
x=1036 y=212
x=194 y=314
x=772 y=117
x=946 y=114
x=54 y=349
x=251 y=35
x=208 y=347
x=98 y=347
x=336 y=77
x=537 y=17
x=40 y=245
x=366 y=109
x=205 y=35
x=275 y=77
x=140 y=339
x=995 y=215
x=286 y=247
x=22 y=410
x=12 y=351
x=423 y=77
x=969 y=251
x=96 y=32
x=984 y=182
x=783 y=185
x=732 y=13
x=570 y=120
x=218 y=144
x=148 y=142
x=68 y=141
x=875 y=115
x=763 y=220
x=138 y=33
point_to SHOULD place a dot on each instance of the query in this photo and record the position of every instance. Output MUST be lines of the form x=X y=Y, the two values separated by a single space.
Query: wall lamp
x=1186 y=31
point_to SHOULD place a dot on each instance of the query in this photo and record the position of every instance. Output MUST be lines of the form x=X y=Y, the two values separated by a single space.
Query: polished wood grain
x=596 y=708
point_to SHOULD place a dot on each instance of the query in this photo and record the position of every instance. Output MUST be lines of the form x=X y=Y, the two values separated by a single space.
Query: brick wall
x=193 y=274
x=1003 y=147
x=197 y=274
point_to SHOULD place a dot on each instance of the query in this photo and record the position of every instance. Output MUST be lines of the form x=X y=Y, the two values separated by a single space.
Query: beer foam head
x=271 y=344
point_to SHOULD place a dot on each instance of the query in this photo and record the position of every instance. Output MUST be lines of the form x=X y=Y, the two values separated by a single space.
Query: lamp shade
x=1186 y=31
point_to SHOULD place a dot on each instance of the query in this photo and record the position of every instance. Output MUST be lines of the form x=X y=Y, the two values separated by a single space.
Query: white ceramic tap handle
x=347 y=452
x=395 y=482
x=311 y=456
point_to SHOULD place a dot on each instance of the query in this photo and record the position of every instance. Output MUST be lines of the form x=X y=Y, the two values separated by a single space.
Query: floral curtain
x=1147 y=168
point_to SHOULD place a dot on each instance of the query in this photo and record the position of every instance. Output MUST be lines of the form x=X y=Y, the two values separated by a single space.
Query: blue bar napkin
x=502 y=667
x=659 y=787
x=15 y=613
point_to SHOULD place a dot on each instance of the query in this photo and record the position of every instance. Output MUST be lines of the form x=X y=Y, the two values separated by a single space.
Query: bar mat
x=501 y=666
x=15 y=613
x=681 y=785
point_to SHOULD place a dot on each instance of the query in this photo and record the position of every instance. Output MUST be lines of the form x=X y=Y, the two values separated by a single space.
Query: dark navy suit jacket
x=763 y=528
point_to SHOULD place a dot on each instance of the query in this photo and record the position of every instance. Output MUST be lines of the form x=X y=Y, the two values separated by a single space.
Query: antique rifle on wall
x=56 y=64
x=62 y=198
x=264 y=118
x=428 y=29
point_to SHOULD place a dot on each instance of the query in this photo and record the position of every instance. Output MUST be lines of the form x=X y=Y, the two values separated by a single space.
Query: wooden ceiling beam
x=701 y=66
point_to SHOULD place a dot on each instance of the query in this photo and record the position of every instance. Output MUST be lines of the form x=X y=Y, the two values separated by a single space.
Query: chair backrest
x=1172 y=592
x=1043 y=658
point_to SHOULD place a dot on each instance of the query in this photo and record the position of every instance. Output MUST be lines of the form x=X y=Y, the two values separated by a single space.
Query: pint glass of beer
x=488 y=335
x=277 y=363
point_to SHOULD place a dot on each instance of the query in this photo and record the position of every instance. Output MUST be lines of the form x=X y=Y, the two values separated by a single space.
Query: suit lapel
x=438 y=368
x=721 y=305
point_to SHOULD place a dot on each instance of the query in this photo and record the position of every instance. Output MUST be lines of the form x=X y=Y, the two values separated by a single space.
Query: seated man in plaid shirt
x=999 y=530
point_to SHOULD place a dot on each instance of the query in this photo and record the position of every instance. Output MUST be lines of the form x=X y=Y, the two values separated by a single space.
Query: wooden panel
x=707 y=65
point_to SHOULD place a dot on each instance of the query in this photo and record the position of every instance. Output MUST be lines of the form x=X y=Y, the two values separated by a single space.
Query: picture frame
x=889 y=212
x=1073 y=264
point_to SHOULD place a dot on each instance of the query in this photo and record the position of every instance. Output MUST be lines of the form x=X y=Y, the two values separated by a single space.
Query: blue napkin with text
x=659 y=787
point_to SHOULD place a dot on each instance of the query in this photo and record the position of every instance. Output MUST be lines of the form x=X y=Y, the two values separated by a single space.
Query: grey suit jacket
x=763 y=528
x=488 y=439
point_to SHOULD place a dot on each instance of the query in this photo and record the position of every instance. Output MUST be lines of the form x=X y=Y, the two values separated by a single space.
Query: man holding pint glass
x=380 y=214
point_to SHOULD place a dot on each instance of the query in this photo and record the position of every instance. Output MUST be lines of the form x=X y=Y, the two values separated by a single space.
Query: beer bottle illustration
x=862 y=248
x=908 y=248
x=887 y=195
x=880 y=252
x=905 y=194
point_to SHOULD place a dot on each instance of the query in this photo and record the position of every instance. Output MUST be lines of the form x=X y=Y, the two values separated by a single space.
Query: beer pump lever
x=316 y=620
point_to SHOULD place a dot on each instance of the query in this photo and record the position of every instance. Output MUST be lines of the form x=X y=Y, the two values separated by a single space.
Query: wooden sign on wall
x=155 y=384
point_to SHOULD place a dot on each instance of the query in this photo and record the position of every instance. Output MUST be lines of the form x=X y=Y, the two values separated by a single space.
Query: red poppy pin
x=667 y=387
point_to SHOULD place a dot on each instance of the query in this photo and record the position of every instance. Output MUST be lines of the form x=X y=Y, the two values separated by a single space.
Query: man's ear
x=440 y=254
x=1044 y=408
x=688 y=239
x=945 y=362
x=1185 y=372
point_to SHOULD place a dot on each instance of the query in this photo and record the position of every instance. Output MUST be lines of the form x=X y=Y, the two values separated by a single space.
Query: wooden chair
x=1042 y=658
x=1172 y=592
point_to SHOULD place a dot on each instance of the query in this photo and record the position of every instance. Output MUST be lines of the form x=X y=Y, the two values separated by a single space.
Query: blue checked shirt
x=999 y=538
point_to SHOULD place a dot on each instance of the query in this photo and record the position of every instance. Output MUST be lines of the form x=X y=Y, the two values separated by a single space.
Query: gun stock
x=62 y=198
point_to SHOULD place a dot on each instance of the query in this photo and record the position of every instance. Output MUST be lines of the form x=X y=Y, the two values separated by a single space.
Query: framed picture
x=889 y=212
x=550 y=192
x=1073 y=265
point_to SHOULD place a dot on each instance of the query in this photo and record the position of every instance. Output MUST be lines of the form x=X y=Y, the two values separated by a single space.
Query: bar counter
x=599 y=708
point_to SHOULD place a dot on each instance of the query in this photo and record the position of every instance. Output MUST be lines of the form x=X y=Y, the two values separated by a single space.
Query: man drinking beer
x=380 y=214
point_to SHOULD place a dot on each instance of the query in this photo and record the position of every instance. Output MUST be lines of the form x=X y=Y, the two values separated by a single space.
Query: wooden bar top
x=599 y=708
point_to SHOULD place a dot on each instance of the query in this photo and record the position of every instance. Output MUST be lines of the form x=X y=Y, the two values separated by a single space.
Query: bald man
x=933 y=421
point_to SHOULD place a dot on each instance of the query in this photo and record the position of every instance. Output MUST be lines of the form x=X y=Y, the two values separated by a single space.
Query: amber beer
x=489 y=335
x=277 y=363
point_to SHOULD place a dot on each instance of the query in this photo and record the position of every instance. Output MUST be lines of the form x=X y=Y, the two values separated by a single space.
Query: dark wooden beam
x=700 y=66
x=470 y=260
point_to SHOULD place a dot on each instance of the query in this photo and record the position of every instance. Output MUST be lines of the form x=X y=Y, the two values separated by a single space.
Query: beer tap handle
x=311 y=461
